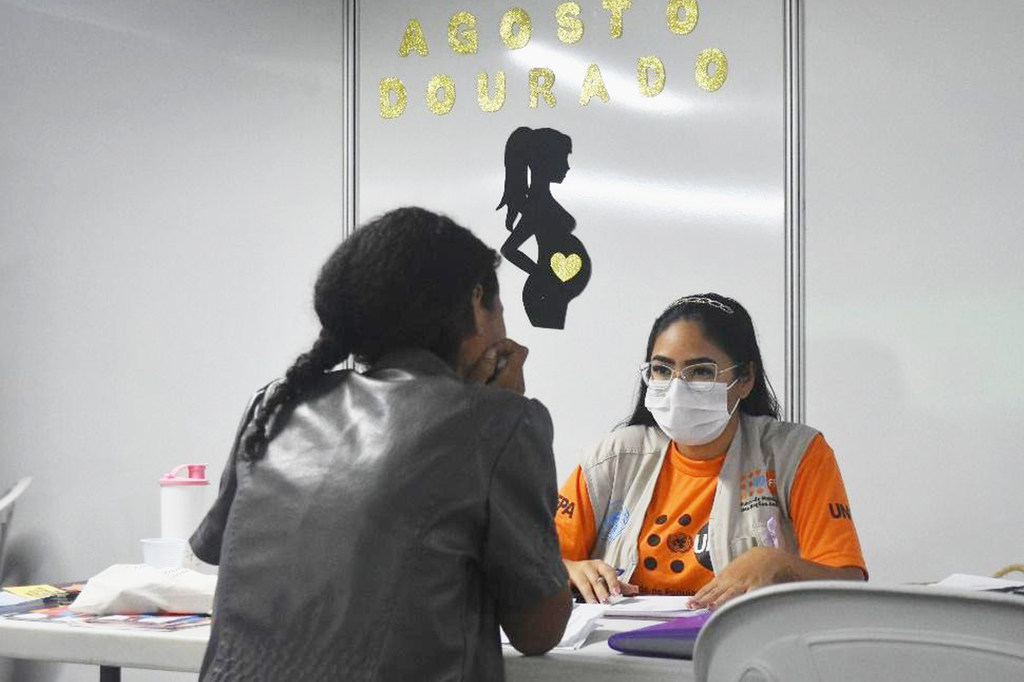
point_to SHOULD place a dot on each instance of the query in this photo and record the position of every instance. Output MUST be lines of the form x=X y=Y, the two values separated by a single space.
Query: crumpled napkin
x=139 y=588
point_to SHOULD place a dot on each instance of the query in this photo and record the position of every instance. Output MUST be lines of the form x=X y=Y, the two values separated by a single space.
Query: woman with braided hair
x=422 y=485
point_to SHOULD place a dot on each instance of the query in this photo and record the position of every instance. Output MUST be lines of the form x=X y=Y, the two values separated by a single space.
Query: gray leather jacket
x=394 y=513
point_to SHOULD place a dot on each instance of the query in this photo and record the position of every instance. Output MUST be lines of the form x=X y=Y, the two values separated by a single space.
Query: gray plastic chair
x=7 y=501
x=840 y=632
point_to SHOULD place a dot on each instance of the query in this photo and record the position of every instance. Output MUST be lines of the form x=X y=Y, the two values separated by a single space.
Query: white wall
x=915 y=302
x=170 y=180
x=169 y=177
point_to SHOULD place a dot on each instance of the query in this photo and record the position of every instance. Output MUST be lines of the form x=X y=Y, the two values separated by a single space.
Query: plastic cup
x=163 y=552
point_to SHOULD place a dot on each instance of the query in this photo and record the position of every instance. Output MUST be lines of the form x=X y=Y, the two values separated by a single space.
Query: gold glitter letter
x=682 y=26
x=570 y=26
x=542 y=88
x=387 y=86
x=413 y=40
x=488 y=103
x=511 y=18
x=617 y=7
x=705 y=79
x=441 y=82
x=644 y=66
x=463 y=42
x=593 y=85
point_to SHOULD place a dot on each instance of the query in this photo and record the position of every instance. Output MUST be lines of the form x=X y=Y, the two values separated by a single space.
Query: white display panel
x=915 y=303
x=673 y=194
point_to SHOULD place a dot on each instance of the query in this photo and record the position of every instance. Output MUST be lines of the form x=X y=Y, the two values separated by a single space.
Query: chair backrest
x=7 y=501
x=840 y=632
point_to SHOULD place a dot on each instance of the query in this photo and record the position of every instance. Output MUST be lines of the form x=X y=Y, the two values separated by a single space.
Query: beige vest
x=622 y=470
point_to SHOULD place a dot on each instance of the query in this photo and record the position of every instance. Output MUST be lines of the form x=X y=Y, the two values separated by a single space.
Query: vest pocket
x=740 y=545
x=757 y=534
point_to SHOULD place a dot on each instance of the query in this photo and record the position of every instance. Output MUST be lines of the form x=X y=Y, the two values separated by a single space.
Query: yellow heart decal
x=566 y=267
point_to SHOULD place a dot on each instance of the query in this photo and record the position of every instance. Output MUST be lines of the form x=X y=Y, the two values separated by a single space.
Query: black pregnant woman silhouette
x=562 y=269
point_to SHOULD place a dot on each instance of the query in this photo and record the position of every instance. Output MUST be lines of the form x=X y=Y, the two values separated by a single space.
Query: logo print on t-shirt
x=838 y=510
x=702 y=550
x=615 y=521
x=758 y=489
x=565 y=506
x=680 y=542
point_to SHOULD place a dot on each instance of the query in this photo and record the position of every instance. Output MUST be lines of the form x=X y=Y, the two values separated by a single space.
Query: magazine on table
x=143 y=621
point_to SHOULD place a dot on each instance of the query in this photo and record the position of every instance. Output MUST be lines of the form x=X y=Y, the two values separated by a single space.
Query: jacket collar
x=417 y=361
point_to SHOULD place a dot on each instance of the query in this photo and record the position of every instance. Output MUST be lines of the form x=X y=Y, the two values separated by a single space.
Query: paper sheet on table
x=657 y=608
x=581 y=623
x=962 y=581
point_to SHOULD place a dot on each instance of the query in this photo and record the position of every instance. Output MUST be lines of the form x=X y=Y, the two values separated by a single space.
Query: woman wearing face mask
x=704 y=491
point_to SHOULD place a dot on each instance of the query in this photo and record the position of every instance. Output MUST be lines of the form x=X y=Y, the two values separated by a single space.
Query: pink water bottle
x=183 y=501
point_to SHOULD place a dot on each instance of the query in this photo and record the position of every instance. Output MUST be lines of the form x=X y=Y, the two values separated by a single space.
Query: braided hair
x=403 y=280
x=727 y=324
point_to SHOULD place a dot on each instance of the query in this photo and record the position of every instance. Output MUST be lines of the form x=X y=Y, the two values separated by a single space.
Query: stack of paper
x=653 y=608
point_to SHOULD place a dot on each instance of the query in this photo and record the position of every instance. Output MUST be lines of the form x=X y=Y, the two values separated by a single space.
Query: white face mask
x=690 y=417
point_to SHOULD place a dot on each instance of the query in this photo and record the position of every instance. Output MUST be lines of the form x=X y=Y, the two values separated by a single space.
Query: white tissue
x=138 y=588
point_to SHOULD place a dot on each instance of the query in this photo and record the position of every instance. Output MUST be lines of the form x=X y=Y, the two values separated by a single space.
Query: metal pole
x=795 y=398
x=349 y=121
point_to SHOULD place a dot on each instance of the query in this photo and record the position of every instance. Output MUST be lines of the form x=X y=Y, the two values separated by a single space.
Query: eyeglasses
x=699 y=377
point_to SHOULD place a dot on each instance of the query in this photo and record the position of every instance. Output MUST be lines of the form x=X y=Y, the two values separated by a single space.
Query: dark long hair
x=533 y=149
x=726 y=324
x=404 y=280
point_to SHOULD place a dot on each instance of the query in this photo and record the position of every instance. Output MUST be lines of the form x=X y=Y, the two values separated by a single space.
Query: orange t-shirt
x=673 y=546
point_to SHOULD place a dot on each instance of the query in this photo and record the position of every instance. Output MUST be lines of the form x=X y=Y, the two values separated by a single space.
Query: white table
x=107 y=647
x=113 y=649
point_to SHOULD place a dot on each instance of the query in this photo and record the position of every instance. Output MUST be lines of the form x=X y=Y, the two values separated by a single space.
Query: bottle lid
x=196 y=475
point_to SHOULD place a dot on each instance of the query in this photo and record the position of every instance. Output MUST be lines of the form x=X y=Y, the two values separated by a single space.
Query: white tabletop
x=182 y=650
x=175 y=650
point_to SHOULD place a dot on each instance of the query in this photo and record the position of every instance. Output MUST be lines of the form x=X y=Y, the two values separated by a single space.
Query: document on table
x=652 y=608
x=962 y=581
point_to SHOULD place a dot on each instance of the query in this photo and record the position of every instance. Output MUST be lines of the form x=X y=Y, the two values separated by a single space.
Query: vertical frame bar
x=794 y=405
x=349 y=122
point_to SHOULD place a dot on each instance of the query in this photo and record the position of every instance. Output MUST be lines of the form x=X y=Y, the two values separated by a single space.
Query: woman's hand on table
x=762 y=566
x=757 y=567
x=596 y=581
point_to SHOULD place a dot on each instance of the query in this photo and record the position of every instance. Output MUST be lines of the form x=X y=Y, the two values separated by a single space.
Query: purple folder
x=672 y=639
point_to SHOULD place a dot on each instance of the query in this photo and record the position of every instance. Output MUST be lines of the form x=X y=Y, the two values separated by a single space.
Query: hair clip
x=703 y=300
